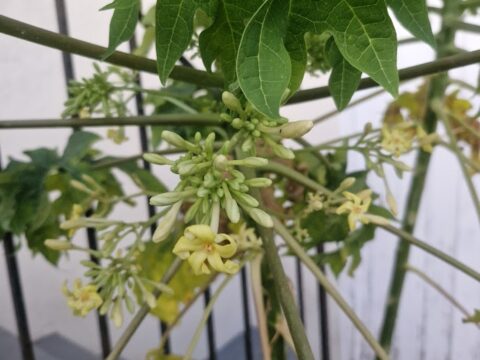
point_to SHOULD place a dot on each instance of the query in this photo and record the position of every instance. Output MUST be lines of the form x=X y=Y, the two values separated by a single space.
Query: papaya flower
x=356 y=206
x=206 y=251
x=82 y=298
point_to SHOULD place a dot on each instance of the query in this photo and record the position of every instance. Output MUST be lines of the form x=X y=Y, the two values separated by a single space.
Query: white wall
x=32 y=86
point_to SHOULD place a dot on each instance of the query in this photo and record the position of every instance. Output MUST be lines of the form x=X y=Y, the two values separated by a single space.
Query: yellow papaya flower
x=82 y=298
x=356 y=206
x=206 y=250
x=396 y=140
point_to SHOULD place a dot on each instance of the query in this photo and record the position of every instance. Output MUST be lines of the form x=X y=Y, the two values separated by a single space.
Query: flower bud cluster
x=209 y=181
x=253 y=126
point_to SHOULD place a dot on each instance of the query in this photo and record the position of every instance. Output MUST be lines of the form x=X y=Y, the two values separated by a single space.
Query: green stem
x=437 y=89
x=281 y=283
x=74 y=46
x=433 y=67
x=410 y=239
x=458 y=153
x=206 y=314
x=141 y=314
x=164 y=119
x=437 y=287
x=329 y=288
x=284 y=293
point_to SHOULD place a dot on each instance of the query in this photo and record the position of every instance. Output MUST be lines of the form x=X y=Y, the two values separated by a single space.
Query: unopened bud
x=166 y=223
x=346 y=184
x=258 y=182
x=176 y=140
x=157 y=159
x=392 y=203
x=231 y=102
x=252 y=161
x=260 y=217
x=295 y=129
x=59 y=245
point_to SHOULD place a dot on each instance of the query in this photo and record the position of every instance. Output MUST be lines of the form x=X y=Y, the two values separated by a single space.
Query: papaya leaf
x=122 y=24
x=344 y=78
x=413 y=15
x=173 y=30
x=263 y=63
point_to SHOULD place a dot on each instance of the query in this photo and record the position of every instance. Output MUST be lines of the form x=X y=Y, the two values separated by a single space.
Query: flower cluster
x=209 y=181
x=398 y=138
x=253 y=127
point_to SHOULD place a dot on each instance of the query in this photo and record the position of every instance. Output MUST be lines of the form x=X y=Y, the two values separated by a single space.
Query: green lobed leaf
x=78 y=145
x=173 y=30
x=344 y=78
x=123 y=23
x=263 y=63
x=413 y=15
x=220 y=42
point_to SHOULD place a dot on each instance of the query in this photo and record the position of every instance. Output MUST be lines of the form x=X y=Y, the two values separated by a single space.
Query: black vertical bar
x=139 y=104
x=17 y=299
x=21 y=320
x=301 y=303
x=102 y=319
x=323 y=318
x=91 y=234
x=210 y=329
x=246 y=315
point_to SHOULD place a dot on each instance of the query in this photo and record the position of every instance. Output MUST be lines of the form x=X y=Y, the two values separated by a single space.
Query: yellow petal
x=202 y=232
x=216 y=262
x=225 y=246
x=196 y=260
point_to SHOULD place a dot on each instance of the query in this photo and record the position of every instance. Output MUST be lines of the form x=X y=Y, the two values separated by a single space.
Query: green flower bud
x=252 y=161
x=59 y=245
x=231 y=102
x=258 y=182
x=170 y=197
x=237 y=123
x=177 y=141
x=231 y=206
x=220 y=162
x=295 y=129
x=345 y=184
x=80 y=186
x=157 y=159
x=260 y=217
x=245 y=199
x=166 y=223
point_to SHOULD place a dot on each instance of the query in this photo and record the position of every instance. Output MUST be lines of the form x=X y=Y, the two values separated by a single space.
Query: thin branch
x=164 y=119
x=432 y=251
x=67 y=44
x=437 y=106
x=329 y=288
x=302 y=179
x=437 y=287
x=141 y=314
x=433 y=67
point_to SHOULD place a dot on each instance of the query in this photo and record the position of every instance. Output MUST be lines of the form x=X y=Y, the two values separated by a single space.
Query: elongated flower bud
x=258 y=182
x=392 y=203
x=252 y=161
x=231 y=206
x=260 y=217
x=346 y=184
x=245 y=199
x=59 y=245
x=231 y=102
x=171 y=197
x=166 y=223
x=295 y=129
x=177 y=141
x=157 y=159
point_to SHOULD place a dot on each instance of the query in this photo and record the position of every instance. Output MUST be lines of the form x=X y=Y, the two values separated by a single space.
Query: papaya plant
x=240 y=184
